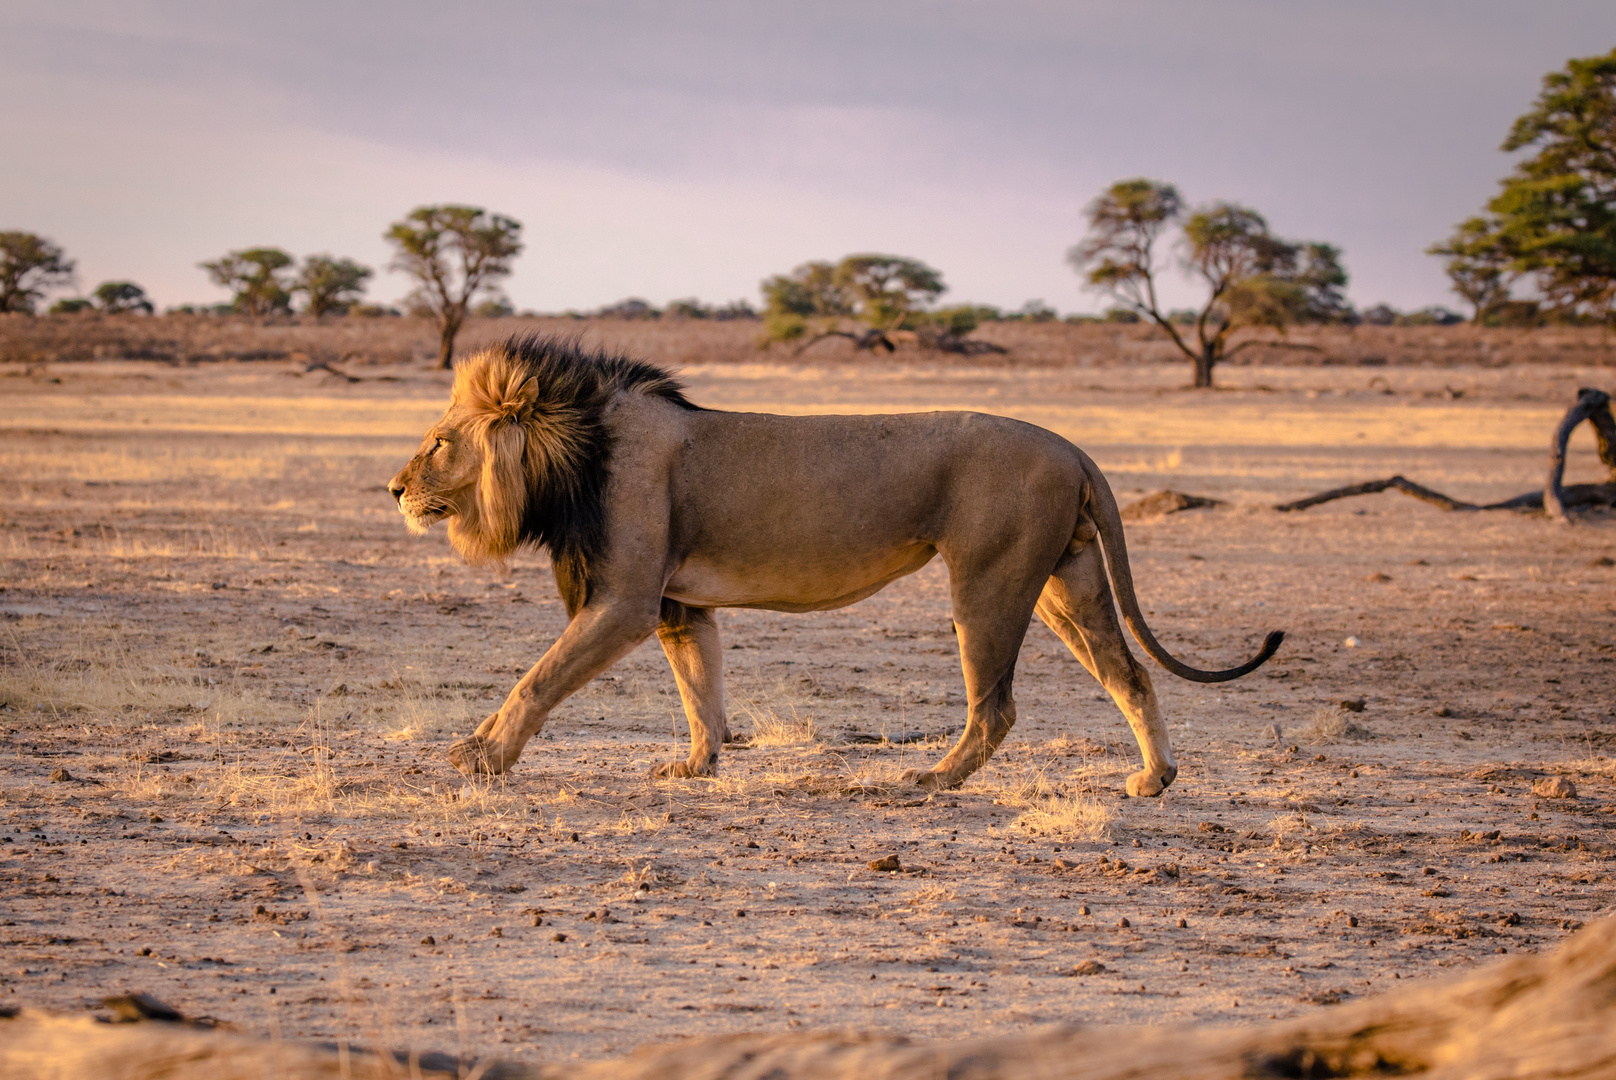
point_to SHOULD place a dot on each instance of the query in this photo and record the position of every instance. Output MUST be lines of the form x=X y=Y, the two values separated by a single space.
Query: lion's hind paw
x=1145 y=784
x=679 y=770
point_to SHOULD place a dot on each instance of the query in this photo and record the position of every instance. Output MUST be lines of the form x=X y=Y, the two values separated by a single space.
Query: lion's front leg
x=689 y=637
x=591 y=643
x=477 y=754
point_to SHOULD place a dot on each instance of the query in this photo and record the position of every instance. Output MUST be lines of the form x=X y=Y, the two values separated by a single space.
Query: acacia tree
x=1253 y=278
x=329 y=285
x=116 y=297
x=256 y=277
x=882 y=292
x=29 y=265
x=453 y=251
x=1554 y=217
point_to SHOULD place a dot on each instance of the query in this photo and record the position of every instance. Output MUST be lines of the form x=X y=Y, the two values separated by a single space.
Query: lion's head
x=510 y=442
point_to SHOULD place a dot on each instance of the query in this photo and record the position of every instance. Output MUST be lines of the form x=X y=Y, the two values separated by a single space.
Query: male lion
x=655 y=511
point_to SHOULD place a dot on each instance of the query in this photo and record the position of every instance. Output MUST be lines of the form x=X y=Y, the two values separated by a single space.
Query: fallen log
x=1527 y=1016
x=1395 y=483
x=1592 y=405
x=1570 y=495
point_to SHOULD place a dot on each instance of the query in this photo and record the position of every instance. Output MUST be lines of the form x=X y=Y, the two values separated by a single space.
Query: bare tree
x=29 y=265
x=1253 y=277
x=453 y=251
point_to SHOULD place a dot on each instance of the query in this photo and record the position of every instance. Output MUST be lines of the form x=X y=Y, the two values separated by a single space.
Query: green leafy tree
x=453 y=252
x=1253 y=278
x=887 y=290
x=807 y=299
x=881 y=293
x=329 y=286
x=1554 y=217
x=30 y=265
x=116 y=297
x=256 y=276
x=1479 y=264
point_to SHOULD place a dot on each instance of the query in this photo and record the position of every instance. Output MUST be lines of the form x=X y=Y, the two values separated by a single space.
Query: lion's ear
x=520 y=406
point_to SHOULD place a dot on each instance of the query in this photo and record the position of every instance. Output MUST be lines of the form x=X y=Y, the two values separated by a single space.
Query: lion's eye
x=441 y=444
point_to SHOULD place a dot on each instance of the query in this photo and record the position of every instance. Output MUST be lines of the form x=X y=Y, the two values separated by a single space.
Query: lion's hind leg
x=689 y=638
x=991 y=611
x=1076 y=605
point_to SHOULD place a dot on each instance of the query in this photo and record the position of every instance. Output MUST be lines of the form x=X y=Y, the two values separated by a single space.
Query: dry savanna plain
x=228 y=678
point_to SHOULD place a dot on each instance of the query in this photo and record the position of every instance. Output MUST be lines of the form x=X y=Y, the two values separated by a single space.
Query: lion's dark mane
x=568 y=517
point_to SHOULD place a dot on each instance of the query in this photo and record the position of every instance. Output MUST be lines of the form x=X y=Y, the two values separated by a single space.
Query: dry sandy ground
x=216 y=628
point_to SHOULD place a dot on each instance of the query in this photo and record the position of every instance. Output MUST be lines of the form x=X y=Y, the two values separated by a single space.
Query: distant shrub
x=116 y=297
x=955 y=320
x=735 y=309
x=632 y=308
x=70 y=305
x=688 y=308
x=1121 y=315
x=1516 y=313
x=1435 y=315
x=1033 y=311
x=495 y=307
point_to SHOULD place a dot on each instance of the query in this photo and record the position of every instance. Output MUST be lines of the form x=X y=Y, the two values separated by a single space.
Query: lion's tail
x=1103 y=509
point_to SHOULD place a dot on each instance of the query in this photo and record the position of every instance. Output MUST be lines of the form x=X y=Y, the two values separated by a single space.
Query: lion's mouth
x=418 y=519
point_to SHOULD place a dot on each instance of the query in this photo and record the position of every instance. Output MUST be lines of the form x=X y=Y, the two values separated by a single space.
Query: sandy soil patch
x=242 y=674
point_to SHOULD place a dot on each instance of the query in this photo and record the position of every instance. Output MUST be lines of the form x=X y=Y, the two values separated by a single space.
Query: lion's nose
x=397 y=490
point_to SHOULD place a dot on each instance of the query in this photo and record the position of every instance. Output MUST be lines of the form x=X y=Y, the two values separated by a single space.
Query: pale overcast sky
x=668 y=149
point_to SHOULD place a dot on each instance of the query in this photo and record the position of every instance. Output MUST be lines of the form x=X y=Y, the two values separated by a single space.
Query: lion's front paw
x=927 y=780
x=680 y=770
x=476 y=756
x=1145 y=784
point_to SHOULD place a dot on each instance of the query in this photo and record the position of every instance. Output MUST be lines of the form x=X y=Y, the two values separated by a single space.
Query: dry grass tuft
x=1048 y=809
x=770 y=729
x=1288 y=825
x=1328 y=722
x=1073 y=815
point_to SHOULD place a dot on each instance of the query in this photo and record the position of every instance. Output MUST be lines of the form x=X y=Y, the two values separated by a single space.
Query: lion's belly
x=793 y=583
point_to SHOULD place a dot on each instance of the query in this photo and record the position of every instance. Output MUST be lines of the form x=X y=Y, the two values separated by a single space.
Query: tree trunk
x=1203 y=369
x=446 y=339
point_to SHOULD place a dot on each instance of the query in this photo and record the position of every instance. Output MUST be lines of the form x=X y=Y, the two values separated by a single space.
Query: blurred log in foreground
x=1525 y=1016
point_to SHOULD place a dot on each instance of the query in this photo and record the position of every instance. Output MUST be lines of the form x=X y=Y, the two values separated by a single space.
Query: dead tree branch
x=1594 y=407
